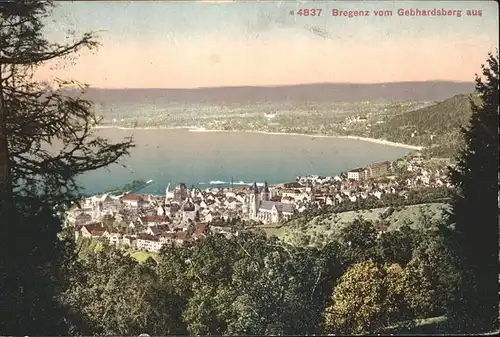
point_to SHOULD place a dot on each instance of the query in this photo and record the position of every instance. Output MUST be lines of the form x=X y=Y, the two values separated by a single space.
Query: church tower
x=98 y=210
x=265 y=195
x=167 y=191
x=254 y=201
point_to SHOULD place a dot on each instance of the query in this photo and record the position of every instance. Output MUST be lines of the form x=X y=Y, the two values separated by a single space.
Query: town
x=147 y=222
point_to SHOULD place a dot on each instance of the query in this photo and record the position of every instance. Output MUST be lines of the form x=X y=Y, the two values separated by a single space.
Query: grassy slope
x=330 y=224
x=140 y=256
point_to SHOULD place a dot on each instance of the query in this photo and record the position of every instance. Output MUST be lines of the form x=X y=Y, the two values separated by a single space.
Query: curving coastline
x=198 y=129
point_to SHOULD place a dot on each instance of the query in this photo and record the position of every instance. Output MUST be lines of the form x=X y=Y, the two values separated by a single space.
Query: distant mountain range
x=322 y=92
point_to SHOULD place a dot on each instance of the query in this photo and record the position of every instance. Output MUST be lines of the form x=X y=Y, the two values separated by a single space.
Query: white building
x=149 y=243
x=355 y=174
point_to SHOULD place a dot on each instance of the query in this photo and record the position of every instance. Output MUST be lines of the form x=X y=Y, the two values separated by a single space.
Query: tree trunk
x=5 y=179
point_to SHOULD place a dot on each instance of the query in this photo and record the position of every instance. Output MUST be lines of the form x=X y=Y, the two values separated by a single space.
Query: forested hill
x=441 y=120
x=321 y=92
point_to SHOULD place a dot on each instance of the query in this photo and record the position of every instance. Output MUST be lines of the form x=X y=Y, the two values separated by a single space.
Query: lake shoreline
x=197 y=129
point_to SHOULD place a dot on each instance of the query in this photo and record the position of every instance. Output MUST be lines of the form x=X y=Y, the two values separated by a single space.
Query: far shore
x=197 y=129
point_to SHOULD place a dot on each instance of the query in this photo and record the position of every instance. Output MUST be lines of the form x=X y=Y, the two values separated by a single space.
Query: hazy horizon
x=207 y=45
x=283 y=85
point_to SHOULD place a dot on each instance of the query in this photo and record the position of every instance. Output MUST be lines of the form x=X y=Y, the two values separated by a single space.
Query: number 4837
x=309 y=12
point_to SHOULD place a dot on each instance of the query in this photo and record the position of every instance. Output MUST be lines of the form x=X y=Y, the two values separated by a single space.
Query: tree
x=257 y=285
x=116 y=295
x=360 y=233
x=474 y=214
x=265 y=298
x=33 y=273
x=397 y=308
x=46 y=131
x=46 y=141
x=431 y=277
x=361 y=238
x=175 y=280
x=208 y=309
x=367 y=299
x=316 y=271
x=397 y=246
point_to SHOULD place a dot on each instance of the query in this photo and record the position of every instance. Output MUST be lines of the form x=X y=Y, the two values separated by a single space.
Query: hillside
x=436 y=126
x=321 y=92
x=321 y=227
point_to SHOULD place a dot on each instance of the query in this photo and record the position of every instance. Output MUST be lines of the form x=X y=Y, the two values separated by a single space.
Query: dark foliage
x=475 y=208
x=46 y=141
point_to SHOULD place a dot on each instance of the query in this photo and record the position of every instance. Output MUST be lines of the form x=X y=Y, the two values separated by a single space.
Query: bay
x=200 y=158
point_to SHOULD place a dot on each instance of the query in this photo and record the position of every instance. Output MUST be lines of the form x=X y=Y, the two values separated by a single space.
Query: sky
x=211 y=44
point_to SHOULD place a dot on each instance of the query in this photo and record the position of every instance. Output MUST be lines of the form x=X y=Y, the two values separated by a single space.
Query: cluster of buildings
x=372 y=171
x=150 y=238
x=352 y=190
x=146 y=222
x=375 y=180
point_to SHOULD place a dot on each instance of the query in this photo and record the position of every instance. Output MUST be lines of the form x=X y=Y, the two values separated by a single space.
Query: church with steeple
x=261 y=208
x=181 y=199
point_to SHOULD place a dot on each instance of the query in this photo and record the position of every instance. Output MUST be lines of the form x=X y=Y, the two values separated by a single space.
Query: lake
x=198 y=158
